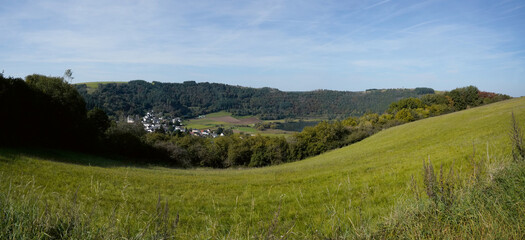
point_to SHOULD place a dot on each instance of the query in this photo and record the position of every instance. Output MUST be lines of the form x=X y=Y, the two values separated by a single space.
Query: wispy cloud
x=226 y=41
x=376 y=4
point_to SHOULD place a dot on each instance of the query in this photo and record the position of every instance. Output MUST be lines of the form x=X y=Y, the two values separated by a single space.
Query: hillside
x=192 y=99
x=324 y=196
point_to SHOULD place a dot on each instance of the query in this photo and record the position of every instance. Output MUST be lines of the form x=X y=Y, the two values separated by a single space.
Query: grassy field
x=240 y=124
x=490 y=207
x=244 y=124
x=331 y=195
x=210 y=121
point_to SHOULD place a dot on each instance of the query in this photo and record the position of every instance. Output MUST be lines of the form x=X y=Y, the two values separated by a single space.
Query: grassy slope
x=347 y=187
x=490 y=207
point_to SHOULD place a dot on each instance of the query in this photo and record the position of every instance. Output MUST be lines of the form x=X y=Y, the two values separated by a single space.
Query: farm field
x=321 y=197
x=222 y=119
x=238 y=124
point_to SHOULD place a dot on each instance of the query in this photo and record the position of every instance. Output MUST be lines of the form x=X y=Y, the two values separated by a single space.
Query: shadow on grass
x=8 y=154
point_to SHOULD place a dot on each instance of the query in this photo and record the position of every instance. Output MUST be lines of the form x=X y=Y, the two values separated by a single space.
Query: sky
x=292 y=45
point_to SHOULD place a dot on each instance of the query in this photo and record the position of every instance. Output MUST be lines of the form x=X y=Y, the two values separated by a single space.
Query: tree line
x=191 y=99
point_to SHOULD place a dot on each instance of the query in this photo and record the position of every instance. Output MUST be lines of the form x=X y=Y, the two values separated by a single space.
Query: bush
x=404 y=115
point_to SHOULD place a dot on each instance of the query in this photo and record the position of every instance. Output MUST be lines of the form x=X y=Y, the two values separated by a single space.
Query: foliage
x=288 y=125
x=411 y=109
x=193 y=99
x=406 y=103
x=438 y=99
x=257 y=151
x=60 y=92
x=41 y=110
x=49 y=112
x=68 y=75
x=404 y=115
x=465 y=97
x=316 y=140
x=98 y=121
x=227 y=151
x=422 y=90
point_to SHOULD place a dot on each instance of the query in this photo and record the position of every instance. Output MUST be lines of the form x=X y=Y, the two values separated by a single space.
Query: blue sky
x=290 y=45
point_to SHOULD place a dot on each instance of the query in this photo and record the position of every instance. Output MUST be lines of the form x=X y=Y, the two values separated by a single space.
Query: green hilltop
x=326 y=196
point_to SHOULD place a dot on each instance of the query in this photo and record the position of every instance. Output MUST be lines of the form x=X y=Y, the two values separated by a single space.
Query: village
x=156 y=122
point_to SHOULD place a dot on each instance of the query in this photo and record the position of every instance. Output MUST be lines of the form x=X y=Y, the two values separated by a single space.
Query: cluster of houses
x=205 y=133
x=153 y=122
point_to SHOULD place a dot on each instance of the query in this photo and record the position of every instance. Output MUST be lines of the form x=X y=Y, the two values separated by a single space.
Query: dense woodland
x=49 y=112
x=192 y=99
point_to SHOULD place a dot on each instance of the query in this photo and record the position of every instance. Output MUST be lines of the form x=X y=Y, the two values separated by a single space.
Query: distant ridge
x=191 y=98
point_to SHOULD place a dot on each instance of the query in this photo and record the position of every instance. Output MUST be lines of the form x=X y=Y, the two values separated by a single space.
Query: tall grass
x=487 y=210
x=24 y=214
x=489 y=205
x=516 y=136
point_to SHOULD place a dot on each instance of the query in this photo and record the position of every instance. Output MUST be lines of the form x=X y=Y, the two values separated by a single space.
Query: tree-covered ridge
x=191 y=99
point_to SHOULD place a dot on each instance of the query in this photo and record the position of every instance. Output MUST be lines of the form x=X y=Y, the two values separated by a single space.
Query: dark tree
x=465 y=97
x=98 y=121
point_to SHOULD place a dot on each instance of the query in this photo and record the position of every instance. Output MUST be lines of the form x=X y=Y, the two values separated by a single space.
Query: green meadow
x=332 y=195
x=213 y=121
x=226 y=120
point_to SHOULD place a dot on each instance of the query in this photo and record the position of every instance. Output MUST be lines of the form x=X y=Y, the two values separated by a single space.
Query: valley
x=319 y=197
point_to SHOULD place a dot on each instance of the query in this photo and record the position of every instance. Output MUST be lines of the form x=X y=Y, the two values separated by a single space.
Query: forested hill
x=191 y=99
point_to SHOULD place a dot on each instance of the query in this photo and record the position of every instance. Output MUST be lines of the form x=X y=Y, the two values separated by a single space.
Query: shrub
x=404 y=115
